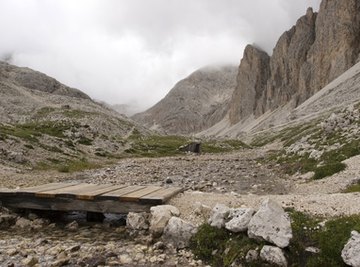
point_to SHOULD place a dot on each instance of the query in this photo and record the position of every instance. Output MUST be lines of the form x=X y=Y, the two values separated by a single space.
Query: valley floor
x=236 y=179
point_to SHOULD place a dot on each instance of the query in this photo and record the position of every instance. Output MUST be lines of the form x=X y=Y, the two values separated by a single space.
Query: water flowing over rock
x=272 y=224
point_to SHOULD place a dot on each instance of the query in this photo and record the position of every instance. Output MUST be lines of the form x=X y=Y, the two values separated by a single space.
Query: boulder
x=178 y=232
x=160 y=215
x=240 y=219
x=273 y=255
x=137 y=221
x=218 y=215
x=351 y=252
x=271 y=224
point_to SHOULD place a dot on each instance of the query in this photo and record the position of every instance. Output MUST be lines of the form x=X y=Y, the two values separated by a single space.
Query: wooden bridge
x=92 y=198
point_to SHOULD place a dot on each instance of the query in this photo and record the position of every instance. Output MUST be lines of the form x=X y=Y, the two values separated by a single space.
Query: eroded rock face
x=272 y=224
x=351 y=252
x=319 y=48
x=253 y=74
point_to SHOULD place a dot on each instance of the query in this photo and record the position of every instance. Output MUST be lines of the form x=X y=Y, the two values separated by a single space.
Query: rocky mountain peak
x=195 y=103
x=315 y=51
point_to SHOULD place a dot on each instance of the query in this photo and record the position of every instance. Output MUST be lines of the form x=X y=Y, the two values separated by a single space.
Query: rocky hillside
x=45 y=123
x=194 y=104
x=319 y=48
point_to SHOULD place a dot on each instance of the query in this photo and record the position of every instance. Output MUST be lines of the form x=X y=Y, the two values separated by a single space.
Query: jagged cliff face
x=194 y=104
x=315 y=51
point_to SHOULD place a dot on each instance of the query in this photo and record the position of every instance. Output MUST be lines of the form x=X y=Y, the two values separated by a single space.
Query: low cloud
x=134 y=51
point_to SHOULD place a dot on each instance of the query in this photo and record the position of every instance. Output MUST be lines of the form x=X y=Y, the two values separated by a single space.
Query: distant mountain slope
x=43 y=122
x=194 y=104
x=341 y=93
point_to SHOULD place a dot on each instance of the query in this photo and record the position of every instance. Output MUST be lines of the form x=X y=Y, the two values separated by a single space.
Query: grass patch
x=155 y=146
x=31 y=131
x=214 y=146
x=218 y=247
x=67 y=166
x=168 y=145
x=353 y=188
x=85 y=141
x=328 y=170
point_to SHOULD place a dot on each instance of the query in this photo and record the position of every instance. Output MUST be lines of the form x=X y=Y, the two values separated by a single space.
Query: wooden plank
x=115 y=195
x=34 y=189
x=70 y=204
x=91 y=195
x=161 y=196
x=134 y=196
x=46 y=187
x=69 y=191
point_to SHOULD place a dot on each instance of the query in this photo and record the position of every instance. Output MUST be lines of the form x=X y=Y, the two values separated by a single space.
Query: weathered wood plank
x=46 y=187
x=117 y=193
x=67 y=204
x=32 y=190
x=134 y=196
x=69 y=191
x=91 y=195
x=161 y=196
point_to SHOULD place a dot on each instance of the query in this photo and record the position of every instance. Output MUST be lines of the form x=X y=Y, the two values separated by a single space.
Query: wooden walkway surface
x=104 y=198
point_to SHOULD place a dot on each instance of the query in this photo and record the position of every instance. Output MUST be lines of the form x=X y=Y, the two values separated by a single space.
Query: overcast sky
x=134 y=51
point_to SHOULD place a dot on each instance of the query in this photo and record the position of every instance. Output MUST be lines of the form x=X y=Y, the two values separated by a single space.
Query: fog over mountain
x=134 y=51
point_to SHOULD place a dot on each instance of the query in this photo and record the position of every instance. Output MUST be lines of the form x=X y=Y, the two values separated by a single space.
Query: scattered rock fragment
x=273 y=255
x=137 y=221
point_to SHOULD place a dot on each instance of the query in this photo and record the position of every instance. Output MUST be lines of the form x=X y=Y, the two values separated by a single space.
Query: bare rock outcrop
x=194 y=104
x=315 y=51
x=253 y=74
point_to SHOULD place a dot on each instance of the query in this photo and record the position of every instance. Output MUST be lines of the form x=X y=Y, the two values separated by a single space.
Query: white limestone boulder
x=271 y=224
x=160 y=215
x=351 y=252
x=178 y=232
x=219 y=215
x=240 y=219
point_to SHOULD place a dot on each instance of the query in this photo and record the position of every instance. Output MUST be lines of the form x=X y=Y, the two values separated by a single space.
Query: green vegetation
x=67 y=165
x=353 y=188
x=218 y=247
x=168 y=145
x=31 y=131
